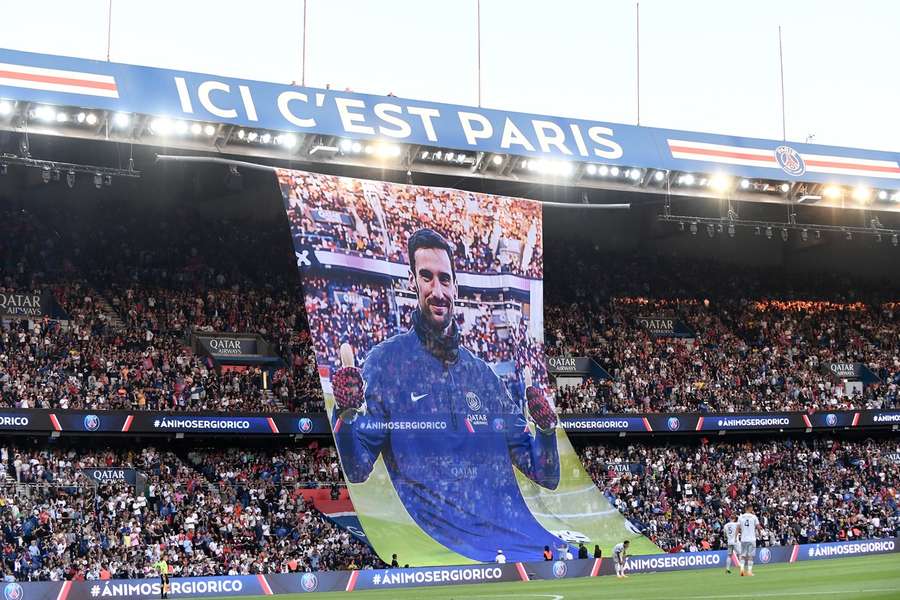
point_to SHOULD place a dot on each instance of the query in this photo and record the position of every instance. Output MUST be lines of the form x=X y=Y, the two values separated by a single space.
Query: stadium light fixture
x=745 y=184
x=289 y=140
x=614 y=171
x=785 y=188
x=694 y=228
x=710 y=230
x=804 y=235
x=720 y=182
x=44 y=113
x=80 y=117
x=252 y=136
x=832 y=192
x=180 y=127
x=70 y=179
x=862 y=194
x=849 y=235
x=591 y=169
x=161 y=126
x=241 y=134
x=784 y=234
x=368 y=149
x=61 y=117
x=449 y=156
x=894 y=239
x=659 y=176
x=4 y=168
x=45 y=174
x=768 y=233
x=635 y=174
x=603 y=170
x=91 y=119
x=686 y=179
x=731 y=230
x=5 y=108
x=209 y=130
x=196 y=128
x=121 y=120
x=497 y=160
x=882 y=195
x=98 y=180
x=265 y=138
x=356 y=147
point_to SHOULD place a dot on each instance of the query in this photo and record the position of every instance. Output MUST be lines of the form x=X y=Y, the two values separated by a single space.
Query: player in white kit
x=620 y=553
x=748 y=524
x=730 y=530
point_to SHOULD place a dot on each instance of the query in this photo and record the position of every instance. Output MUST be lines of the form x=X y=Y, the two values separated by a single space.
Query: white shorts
x=619 y=559
x=748 y=549
x=732 y=549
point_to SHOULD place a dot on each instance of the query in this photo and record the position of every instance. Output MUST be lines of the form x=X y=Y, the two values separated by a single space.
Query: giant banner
x=426 y=312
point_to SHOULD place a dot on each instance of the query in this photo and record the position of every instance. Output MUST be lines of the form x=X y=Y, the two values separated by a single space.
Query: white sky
x=705 y=65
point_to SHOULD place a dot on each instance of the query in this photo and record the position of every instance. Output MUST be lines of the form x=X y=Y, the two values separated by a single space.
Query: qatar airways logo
x=23 y=305
x=226 y=346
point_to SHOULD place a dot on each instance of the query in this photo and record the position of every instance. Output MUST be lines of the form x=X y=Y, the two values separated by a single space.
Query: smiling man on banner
x=445 y=424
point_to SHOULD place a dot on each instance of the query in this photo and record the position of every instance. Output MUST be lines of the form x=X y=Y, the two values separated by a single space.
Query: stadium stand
x=207 y=512
x=806 y=490
x=761 y=342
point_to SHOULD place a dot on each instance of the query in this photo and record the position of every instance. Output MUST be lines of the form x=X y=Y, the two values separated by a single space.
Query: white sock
x=750 y=565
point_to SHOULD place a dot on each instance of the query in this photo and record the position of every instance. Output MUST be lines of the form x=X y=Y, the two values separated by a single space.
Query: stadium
x=261 y=339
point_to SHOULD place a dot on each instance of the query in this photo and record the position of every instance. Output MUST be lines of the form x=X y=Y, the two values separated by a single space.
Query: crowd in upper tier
x=803 y=491
x=135 y=295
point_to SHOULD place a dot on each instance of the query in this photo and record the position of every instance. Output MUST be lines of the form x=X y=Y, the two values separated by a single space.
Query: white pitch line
x=781 y=594
x=551 y=596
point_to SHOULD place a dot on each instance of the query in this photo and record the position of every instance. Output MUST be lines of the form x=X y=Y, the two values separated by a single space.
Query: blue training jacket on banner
x=453 y=473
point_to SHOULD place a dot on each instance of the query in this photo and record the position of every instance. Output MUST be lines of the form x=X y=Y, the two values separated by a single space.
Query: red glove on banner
x=349 y=389
x=539 y=408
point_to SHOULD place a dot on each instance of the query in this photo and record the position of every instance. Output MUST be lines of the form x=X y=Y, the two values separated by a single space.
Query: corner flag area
x=868 y=578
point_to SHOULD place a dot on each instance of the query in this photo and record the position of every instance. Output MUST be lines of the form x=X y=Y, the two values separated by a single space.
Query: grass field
x=872 y=577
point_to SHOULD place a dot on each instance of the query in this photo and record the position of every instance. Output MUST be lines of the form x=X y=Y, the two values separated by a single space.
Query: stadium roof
x=207 y=114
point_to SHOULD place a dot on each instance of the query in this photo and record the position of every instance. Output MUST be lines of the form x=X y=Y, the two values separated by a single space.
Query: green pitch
x=870 y=578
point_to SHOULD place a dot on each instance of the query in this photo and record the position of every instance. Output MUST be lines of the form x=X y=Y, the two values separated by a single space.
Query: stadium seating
x=681 y=494
x=245 y=513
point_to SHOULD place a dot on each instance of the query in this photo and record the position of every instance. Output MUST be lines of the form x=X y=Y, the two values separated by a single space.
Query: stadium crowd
x=758 y=344
x=134 y=297
x=245 y=513
x=804 y=491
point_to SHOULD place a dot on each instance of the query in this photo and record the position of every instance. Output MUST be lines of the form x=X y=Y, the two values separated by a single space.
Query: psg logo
x=473 y=401
x=13 y=591
x=91 y=423
x=499 y=424
x=305 y=425
x=790 y=160
x=309 y=582
x=673 y=423
x=831 y=419
x=560 y=569
x=765 y=555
